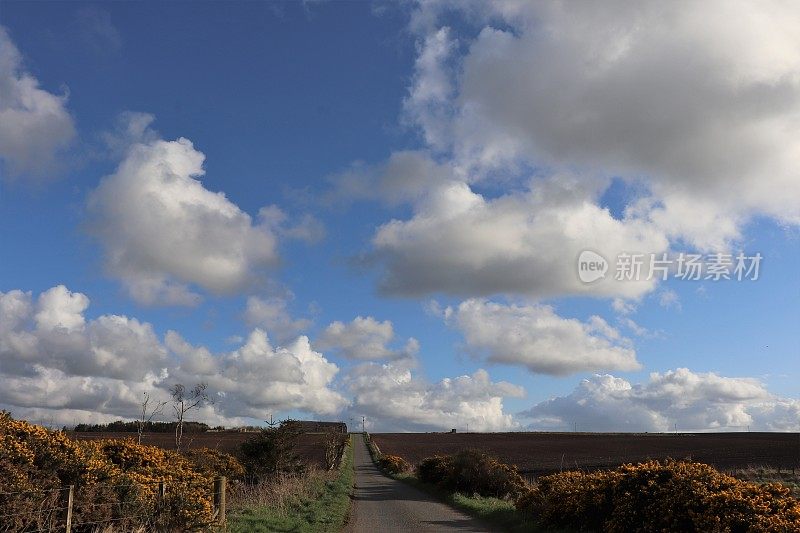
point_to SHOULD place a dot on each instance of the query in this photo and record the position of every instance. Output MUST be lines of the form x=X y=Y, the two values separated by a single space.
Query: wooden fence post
x=67 y=503
x=161 y=502
x=219 y=499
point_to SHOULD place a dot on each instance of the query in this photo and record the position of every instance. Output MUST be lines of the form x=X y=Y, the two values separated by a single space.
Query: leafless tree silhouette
x=150 y=408
x=184 y=401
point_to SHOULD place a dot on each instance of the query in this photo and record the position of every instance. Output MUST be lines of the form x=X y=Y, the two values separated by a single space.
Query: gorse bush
x=433 y=469
x=272 y=451
x=654 y=496
x=188 y=498
x=393 y=464
x=472 y=472
x=35 y=462
x=113 y=479
x=212 y=463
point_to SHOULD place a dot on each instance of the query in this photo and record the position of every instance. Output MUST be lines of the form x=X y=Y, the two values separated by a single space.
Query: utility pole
x=363 y=424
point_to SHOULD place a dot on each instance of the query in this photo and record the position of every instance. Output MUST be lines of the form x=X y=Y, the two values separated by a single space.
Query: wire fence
x=143 y=506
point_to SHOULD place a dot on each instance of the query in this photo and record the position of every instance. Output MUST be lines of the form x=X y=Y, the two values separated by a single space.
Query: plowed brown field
x=536 y=453
x=311 y=446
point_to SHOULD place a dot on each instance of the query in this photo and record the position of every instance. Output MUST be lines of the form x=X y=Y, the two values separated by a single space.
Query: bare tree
x=150 y=408
x=184 y=401
x=334 y=445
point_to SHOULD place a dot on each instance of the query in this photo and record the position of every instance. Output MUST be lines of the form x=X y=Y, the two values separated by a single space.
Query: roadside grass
x=322 y=505
x=493 y=511
x=788 y=477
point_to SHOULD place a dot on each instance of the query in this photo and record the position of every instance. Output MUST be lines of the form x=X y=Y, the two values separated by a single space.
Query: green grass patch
x=494 y=511
x=324 y=509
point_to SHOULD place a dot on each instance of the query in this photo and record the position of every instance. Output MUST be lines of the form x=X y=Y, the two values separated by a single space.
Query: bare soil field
x=540 y=453
x=311 y=446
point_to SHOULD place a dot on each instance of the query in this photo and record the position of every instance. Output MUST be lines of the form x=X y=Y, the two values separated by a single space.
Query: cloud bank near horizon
x=58 y=365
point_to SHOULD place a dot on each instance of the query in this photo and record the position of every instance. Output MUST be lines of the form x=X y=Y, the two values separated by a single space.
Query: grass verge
x=494 y=511
x=765 y=474
x=323 y=508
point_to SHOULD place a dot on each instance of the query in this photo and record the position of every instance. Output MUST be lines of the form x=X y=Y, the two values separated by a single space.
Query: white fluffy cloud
x=272 y=315
x=393 y=399
x=54 y=362
x=54 y=334
x=428 y=103
x=697 y=100
x=694 y=105
x=163 y=231
x=462 y=243
x=535 y=337
x=257 y=378
x=693 y=401
x=34 y=124
x=364 y=338
x=58 y=365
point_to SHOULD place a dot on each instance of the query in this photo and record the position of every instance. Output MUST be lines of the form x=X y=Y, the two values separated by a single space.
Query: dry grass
x=766 y=474
x=283 y=493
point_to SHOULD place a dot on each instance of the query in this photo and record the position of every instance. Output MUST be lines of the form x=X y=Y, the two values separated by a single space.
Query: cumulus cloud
x=60 y=308
x=130 y=128
x=535 y=337
x=428 y=103
x=364 y=338
x=272 y=314
x=697 y=101
x=550 y=101
x=34 y=124
x=53 y=333
x=692 y=401
x=258 y=378
x=462 y=243
x=406 y=176
x=393 y=399
x=52 y=389
x=163 y=231
x=55 y=362
x=307 y=228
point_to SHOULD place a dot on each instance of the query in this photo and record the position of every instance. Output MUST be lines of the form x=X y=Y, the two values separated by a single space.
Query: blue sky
x=432 y=170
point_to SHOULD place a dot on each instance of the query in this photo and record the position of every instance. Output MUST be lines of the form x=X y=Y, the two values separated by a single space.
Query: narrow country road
x=382 y=504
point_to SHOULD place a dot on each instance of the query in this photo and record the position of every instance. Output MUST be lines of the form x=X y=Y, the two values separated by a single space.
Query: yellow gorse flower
x=660 y=496
x=118 y=473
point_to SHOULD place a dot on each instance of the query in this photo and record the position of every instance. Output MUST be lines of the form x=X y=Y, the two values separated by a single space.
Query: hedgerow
x=655 y=496
x=212 y=463
x=393 y=464
x=113 y=480
x=472 y=472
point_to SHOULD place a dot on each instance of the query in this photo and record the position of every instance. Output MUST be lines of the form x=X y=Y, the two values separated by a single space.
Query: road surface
x=382 y=504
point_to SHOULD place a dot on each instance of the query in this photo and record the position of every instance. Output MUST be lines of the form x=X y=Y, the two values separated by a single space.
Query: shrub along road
x=384 y=504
